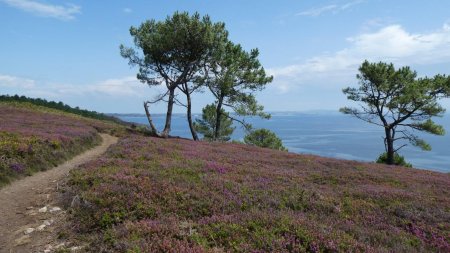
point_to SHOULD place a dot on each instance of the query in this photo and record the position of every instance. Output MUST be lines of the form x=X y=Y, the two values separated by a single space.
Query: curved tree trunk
x=149 y=118
x=170 y=102
x=189 y=116
x=218 y=118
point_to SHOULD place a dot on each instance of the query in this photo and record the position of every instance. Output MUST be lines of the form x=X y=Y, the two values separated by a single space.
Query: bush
x=264 y=138
x=398 y=160
x=207 y=124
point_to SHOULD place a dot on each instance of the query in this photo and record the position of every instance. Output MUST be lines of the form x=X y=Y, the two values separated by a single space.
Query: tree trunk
x=170 y=102
x=218 y=118
x=149 y=118
x=189 y=115
x=390 y=146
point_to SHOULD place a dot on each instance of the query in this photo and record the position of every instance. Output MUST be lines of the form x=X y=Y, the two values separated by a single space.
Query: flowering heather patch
x=34 y=138
x=168 y=195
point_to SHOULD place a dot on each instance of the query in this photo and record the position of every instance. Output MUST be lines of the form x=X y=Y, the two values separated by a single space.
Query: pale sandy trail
x=20 y=203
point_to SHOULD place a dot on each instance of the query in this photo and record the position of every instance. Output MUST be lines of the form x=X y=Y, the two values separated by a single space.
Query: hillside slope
x=35 y=138
x=30 y=217
x=172 y=195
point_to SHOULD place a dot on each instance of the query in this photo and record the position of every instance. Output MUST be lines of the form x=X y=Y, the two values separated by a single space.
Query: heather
x=173 y=195
x=59 y=106
x=34 y=138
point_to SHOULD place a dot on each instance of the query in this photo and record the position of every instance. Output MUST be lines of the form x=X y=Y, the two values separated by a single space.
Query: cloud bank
x=389 y=44
x=7 y=81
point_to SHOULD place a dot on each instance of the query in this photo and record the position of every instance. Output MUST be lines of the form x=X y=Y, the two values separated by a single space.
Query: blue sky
x=69 y=50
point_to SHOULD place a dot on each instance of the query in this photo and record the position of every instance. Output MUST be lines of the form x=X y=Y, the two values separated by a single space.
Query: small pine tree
x=264 y=138
x=207 y=124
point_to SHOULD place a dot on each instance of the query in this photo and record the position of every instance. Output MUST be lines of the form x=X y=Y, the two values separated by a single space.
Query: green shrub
x=264 y=138
x=398 y=160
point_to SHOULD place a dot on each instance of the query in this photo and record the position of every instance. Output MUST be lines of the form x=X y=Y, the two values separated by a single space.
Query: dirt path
x=26 y=210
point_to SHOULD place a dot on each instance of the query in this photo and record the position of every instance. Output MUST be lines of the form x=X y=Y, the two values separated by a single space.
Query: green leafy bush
x=264 y=138
x=398 y=160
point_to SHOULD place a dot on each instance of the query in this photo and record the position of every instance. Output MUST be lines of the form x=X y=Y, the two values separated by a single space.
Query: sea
x=329 y=134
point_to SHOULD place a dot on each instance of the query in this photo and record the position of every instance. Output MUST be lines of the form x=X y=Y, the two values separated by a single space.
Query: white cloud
x=126 y=86
x=127 y=10
x=334 y=8
x=115 y=87
x=67 y=12
x=8 y=81
x=390 y=44
x=120 y=87
x=110 y=95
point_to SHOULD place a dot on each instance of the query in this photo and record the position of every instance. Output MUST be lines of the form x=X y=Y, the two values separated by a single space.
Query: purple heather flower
x=17 y=167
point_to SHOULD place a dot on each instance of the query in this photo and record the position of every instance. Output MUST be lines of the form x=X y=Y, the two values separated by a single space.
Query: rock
x=43 y=210
x=60 y=245
x=29 y=208
x=55 y=209
x=48 y=248
x=75 y=202
x=41 y=227
x=31 y=212
x=75 y=248
x=48 y=222
x=22 y=240
x=29 y=231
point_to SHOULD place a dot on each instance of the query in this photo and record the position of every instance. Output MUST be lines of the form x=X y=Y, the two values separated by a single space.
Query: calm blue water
x=330 y=134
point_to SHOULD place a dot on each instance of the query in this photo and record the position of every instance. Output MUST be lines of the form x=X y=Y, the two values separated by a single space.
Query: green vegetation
x=207 y=125
x=398 y=160
x=176 y=195
x=59 y=106
x=187 y=53
x=264 y=138
x=149 y=194
x=35 y=138
x=399 y=102
x=232 y=76
x=174 y=50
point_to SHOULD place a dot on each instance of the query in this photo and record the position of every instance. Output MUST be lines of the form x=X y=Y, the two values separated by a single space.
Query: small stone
x=76 y=202
x=29 y=208
x=41 y=227
x=48 y=248
x=48 y=222
x=43 y=210
x=75 y=248
x=60 y=245
x=31 y=212
x=29 y=231
x=55 y=209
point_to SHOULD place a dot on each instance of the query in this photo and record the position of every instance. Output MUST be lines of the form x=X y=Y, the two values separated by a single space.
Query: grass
x=172 y=195
x=35 y=138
